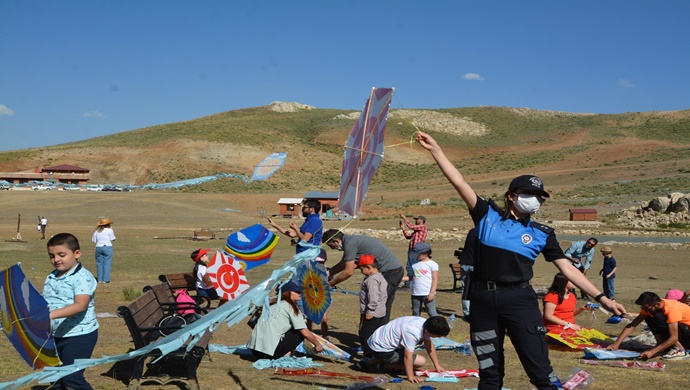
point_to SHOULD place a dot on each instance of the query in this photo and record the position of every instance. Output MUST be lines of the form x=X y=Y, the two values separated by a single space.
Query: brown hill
x=490 y=144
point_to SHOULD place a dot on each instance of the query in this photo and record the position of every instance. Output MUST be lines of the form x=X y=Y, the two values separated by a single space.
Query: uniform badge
x=536 y=182
x=526 y=239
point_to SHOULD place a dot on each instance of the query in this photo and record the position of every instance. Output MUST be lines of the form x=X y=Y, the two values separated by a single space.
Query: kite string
x=413 y=137
x=33 y=365
x=29 y=317
x=40 y=350
x=340 y=230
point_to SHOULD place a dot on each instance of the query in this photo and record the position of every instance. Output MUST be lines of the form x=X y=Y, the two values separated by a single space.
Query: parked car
x=4 y=186
x=94 y=188
x=41 y=187
x=71 y=188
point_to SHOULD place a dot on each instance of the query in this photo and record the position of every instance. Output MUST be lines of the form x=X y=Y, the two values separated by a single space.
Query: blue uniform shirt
x=508 y=247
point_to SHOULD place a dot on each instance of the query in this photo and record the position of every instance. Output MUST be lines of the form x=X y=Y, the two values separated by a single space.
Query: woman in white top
x=103 y=237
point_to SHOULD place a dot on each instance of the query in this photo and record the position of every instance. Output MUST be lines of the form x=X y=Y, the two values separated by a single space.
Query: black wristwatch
x=598 y=297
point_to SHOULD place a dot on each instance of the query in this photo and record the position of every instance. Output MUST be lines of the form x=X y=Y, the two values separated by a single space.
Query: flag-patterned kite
x=227 y=276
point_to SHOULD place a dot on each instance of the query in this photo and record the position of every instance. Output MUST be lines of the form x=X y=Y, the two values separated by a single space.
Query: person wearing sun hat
x=608 y=272
x=103 y=237
x=283 y=328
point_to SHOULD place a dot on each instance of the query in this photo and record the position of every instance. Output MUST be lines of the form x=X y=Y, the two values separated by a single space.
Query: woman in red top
x=559 y=306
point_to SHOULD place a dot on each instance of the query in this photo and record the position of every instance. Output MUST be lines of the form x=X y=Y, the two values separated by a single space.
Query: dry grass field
x=139 y=258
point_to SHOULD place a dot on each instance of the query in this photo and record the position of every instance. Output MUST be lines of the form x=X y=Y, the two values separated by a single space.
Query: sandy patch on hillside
x=431 y=120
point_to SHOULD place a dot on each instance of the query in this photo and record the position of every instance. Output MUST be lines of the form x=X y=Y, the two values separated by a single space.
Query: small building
x=583 y=214
x=289 y=207
x=58 y=174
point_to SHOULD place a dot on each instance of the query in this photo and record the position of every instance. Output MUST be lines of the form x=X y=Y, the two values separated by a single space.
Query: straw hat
x=104 y=221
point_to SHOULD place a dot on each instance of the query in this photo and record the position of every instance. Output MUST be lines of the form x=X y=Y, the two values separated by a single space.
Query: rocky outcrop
x=673 y=202
x=458 y=235
x=432 y=120
x=289 y=106
x=646 y=218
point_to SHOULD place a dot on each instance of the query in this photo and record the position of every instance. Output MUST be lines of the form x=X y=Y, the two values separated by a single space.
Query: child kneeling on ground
x=393 y=345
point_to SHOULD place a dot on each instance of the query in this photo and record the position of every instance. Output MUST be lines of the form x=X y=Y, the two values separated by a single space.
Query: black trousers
x=291 y=339
x=366 y=329
x=658 y=326
x=393 y=277
x=512 y=311
x=70 y=349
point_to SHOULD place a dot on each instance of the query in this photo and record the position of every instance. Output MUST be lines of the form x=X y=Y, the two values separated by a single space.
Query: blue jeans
x=104 y=260
x=411 y=260
x=418 y=301
x=609 y=291
x=211 y=293
x=69 y=349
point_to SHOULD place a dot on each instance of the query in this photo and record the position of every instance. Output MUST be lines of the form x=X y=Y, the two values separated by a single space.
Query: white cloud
x=625 y=83
x=4 y=110
x=472 y=76
x=94 y=114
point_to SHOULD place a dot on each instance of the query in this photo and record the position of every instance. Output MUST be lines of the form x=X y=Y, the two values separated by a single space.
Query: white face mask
x=527 y=204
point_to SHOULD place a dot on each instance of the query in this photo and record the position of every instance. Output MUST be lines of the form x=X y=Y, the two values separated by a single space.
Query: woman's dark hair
x=558 y=286
x=506 y=203
x=195 y=270
x=287 y=298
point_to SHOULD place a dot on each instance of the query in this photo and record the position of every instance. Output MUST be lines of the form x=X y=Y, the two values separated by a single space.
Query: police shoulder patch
x=542 y=227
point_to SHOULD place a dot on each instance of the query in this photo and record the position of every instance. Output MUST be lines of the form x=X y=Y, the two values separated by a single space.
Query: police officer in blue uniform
x=502 y=300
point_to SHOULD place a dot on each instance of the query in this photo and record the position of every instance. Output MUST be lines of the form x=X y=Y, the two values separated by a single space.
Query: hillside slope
x=490 y=143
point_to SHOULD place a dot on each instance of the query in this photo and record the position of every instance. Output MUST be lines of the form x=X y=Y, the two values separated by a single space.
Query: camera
x=458 y=252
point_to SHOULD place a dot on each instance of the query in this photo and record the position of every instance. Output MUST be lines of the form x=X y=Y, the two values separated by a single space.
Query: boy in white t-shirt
x=393 y=345
x=424 y=281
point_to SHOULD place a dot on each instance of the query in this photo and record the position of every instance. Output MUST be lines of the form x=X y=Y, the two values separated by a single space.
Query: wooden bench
x=186 y=281
x=204 y=235
x=457 y=276
x=166 y=299
x=147 y=321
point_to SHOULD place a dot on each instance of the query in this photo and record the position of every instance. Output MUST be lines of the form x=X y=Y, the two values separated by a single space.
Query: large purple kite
x=364 y=150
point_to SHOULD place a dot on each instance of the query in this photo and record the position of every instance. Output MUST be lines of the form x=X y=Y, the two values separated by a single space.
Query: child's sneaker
x=675 y=354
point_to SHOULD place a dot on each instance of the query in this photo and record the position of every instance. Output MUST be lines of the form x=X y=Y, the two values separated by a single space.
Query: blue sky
x=77 y=69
